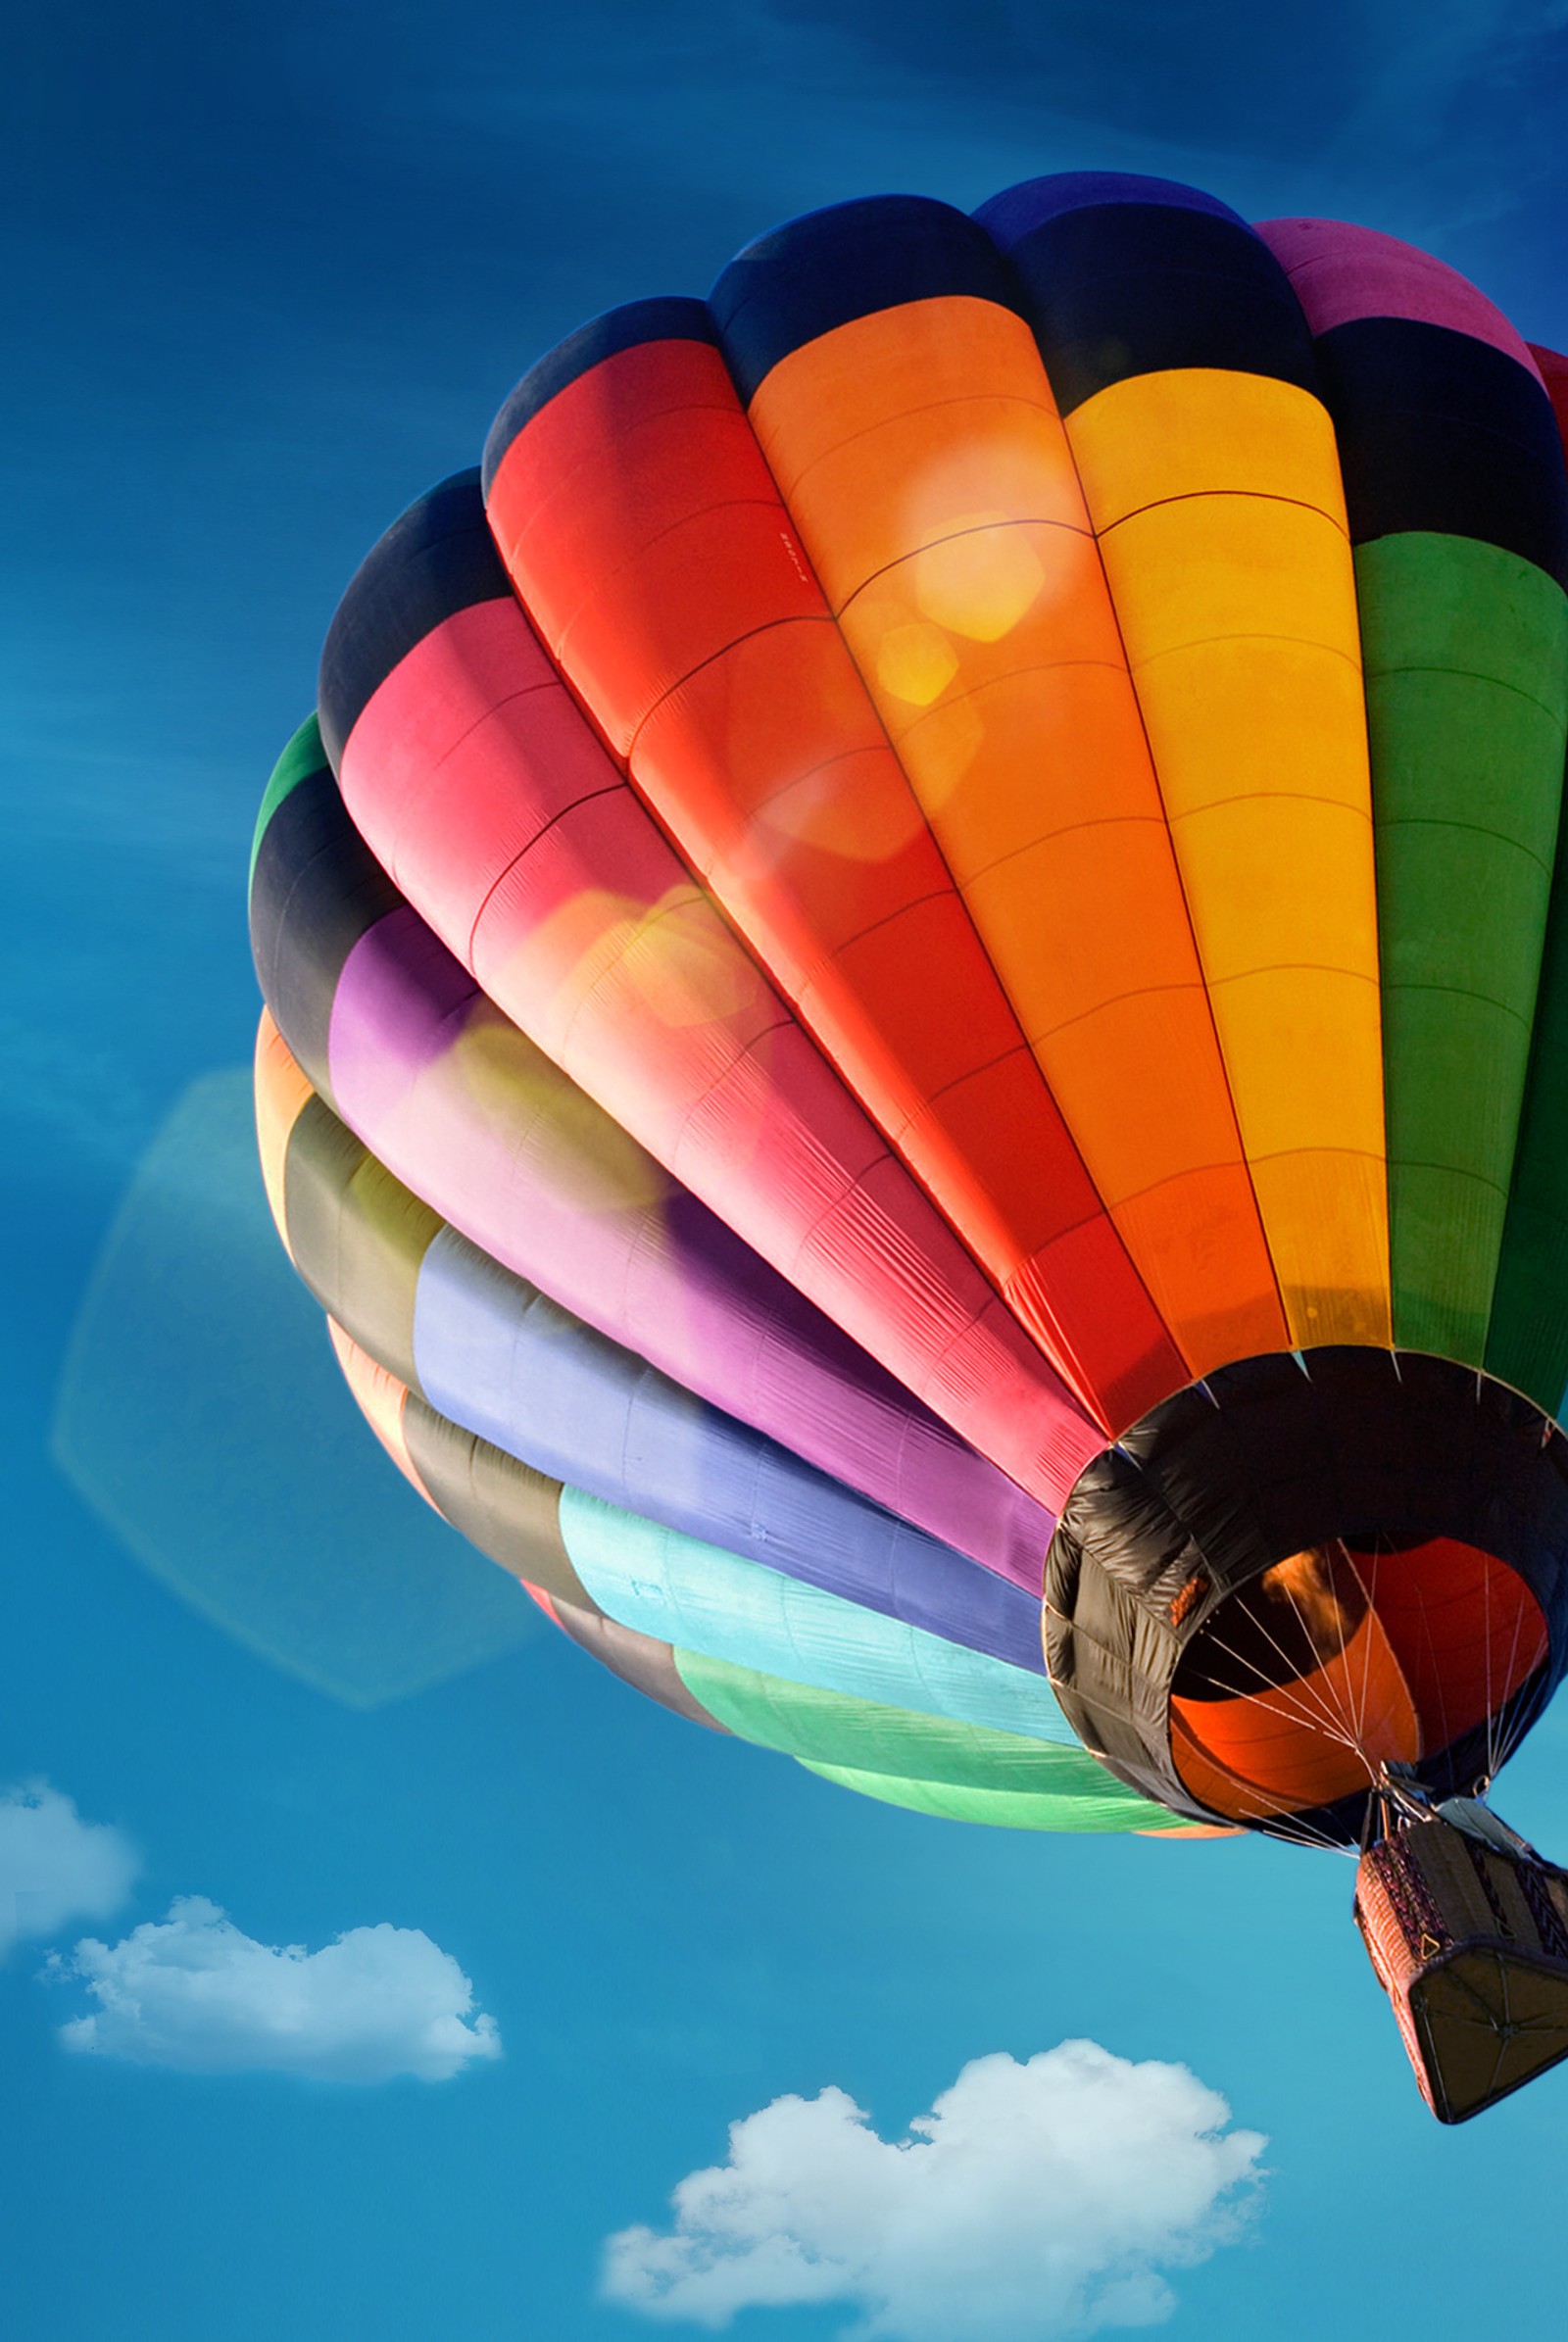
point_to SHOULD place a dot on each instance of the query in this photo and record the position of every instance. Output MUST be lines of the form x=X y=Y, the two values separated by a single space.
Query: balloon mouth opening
x=1349 y=1654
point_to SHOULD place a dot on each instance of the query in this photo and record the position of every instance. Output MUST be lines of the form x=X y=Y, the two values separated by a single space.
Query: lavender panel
x=476 y=1120
x=505 y=1361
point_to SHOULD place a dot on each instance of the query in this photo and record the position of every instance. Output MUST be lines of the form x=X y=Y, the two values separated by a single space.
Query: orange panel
x=1222 y=518
x=1289 y=1744
x=925 y=465
x=282 y=1094
x=671 y=587
x=381 y=1399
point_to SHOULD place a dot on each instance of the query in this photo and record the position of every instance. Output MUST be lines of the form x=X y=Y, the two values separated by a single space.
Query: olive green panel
x=837 y=1731
x=1528 y=1342
x=1466 y=655
x=303 y=755
x=510 y=1511
x=356 y=1235
x=1102 y=1807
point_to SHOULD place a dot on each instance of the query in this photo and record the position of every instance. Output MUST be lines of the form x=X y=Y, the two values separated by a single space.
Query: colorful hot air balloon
x=917 y=1032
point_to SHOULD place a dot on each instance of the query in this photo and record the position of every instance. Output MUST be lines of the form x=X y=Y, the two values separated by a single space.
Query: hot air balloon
x=917 y=1034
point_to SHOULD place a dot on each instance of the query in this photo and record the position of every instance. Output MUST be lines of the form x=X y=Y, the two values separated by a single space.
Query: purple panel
x=502 y=1359
x=1338 y=274
x=466 y=1112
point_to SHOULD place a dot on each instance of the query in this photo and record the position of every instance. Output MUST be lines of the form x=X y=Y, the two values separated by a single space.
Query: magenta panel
x=1340 y=273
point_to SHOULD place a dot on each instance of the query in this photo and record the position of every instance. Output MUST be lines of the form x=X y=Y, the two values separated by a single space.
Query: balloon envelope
x=919 y=1007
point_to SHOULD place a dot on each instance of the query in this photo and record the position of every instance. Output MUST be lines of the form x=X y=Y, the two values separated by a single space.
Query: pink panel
x=1341 y=272
x=503 y=820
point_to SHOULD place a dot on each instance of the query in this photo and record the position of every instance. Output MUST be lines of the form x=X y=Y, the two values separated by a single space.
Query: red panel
x=1447 y=1637
x=1466 y=1629
x=540 y=867
x=1306 y=1742
x=645 y=536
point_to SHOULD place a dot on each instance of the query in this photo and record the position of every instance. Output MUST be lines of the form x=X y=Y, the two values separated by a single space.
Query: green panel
x=303 y=755
x=834 y=1731
x=1466 y=651
x=1103 y=1807
x=1528 y=1344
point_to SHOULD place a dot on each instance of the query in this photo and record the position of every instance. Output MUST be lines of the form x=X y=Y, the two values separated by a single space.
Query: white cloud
x=54 y=1867
x=1033 y=2201
x=192 y=1991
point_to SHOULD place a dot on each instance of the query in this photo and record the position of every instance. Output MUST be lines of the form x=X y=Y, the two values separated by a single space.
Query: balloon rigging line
x=1358 y=1707
x=1328 y=1712
x=1513 y=1728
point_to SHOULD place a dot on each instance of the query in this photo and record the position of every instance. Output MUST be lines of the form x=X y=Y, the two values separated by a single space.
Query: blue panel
x=1443 y=433
x=701 y=1598
x=1017 y=210
x=1120 y=285
x=502 y=1360
x=816 y=273
x=437 y=558
x=673 y=317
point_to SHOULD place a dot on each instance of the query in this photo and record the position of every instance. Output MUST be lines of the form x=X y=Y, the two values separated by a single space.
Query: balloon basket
x=1469 y=1938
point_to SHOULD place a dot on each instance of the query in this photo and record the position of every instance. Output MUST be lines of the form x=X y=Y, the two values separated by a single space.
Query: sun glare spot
x=979 y=584
x=915 y=662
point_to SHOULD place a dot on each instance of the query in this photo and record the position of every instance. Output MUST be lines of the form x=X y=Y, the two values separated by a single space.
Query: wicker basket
x=1471 y=1945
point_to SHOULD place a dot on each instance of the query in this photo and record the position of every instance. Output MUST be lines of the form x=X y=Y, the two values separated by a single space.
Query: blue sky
x=270 y=273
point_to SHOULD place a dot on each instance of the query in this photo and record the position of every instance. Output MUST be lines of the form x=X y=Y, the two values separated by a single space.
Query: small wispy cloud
x=191 y=1991
x=56 y=1870
x=1036 y=2200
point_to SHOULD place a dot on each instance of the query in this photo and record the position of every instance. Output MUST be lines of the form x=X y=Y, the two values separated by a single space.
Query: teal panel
x=705 y=1599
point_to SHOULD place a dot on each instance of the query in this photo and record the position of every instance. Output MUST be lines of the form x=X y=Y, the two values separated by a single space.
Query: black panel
x=1441 y=431
x=1267 y=1458
x=1117 y=289
x=316 y=889
x=675 y=317
x=438 y=559
x=819 y=272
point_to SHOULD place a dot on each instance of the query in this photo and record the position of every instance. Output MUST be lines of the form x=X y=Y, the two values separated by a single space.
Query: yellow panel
x=1193 y=432
x=922 y=454
x=1207 y=567
x=1327 y=1217
x=1281 y=868
x=1224 y=543
x=1304 y=1033
x=1245 y=714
